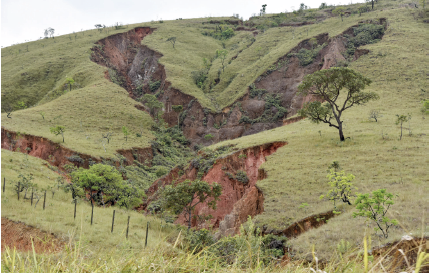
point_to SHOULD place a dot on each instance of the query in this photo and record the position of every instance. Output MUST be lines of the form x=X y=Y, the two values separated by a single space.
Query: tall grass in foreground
x=171 y=258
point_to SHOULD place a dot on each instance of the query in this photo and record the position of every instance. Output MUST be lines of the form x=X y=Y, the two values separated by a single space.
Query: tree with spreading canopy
x=105 y=185
x=185 y=196
x=328 y=85
x=153 y=104
x=58 y=130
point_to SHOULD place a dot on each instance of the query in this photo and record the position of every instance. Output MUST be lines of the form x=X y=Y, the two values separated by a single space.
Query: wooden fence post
x=128 y=223
x=31 y=196
x=146 y=238
x=44 y=200
x=74 y=215
x=113 y=221
x=4 y=183
x=92 y=212
x=18 y=189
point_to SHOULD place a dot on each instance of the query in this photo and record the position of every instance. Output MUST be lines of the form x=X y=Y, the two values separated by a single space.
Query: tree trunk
x=342 y=138
x=372 y=4
x=189 y=220
x=401 y=131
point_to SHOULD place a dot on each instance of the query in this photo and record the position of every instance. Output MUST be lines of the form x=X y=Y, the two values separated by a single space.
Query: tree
x=222 y=54
x=341 y=187
x=178 y=109
x=153 y=104
x=185 y=196
x=7 y=108
x=339 y=11
x=21 y=105
x=375 y=208
x=323 y=6
x=46 y=33
x=58 y=130
x=107 y=136
x=105 y=185
x=70 y=82
x=172 y=40
x=425 y=107
x=42 y=114
x=313 y=41
x=328 y=84
x=400 y=120
x=374 y=114
x=263 y=10
x=49 y=31
x=125 y=132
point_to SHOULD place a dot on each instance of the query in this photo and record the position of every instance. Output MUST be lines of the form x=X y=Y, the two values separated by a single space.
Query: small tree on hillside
x=70 y=82
x=374 y=114
x=341 y=187
x=126 y=132
x=400 y=120
x=153 y=104
x=375 y=207
x=172 y=40
x=58 y=130
x=339 y=11
x=328 y=84
x=178 y=109
x=7 y=108
x=105 y=185
x=185 y=196
x=222 y=54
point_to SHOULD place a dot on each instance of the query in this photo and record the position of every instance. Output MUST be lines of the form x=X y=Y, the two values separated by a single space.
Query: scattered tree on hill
x=107 y=136
x=43 y=115
x=105 y=185
x=125 y=132
x=263 y=10
x=178 y=109
x=313 y=41
x=21 y=105
x=153 y=104
x=375 y=207
x=222 y=54
x=341 y=187
x=58 y=130
x=49 y=31
x=8 y=110
x=172 y=40
x=328 y=84
x=400 y=120
x=323 y=6
x=374 y=114
x=185 y=196
x=70 y=82
x=339 y=11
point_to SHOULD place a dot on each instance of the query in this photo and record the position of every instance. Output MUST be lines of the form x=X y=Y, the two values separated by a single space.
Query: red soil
x=19 y=235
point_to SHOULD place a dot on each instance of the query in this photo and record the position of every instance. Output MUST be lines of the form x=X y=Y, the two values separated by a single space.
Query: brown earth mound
x=20 y=236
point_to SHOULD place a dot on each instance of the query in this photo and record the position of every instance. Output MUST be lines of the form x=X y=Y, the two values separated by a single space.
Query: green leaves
x=375 y=207
x=108 y=184
x=327 y=85
x=341 y=187
x=186 y=195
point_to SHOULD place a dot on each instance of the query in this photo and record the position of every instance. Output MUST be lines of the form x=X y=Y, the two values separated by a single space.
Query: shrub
x=375 y=207
x=425 y=107
x=161 y=172
x=198 y=239
x=242 y=177
x=154 y=85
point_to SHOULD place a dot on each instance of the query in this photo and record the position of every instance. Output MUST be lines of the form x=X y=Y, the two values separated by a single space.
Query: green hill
x=113 y=68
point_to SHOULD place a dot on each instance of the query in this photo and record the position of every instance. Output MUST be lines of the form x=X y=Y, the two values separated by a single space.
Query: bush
x=242 y=177
x=153 y=86
x=198 y=239
x=161 y=172
x=425 y=107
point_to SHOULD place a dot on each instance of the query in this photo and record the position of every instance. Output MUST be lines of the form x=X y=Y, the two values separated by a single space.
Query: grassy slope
x=93 y=107
x=398 y=66
x=58 y=216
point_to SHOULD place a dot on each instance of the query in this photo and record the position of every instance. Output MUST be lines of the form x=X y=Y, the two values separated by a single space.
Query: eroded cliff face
x=58 y=155
x=135 y=67
x=238 y=200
